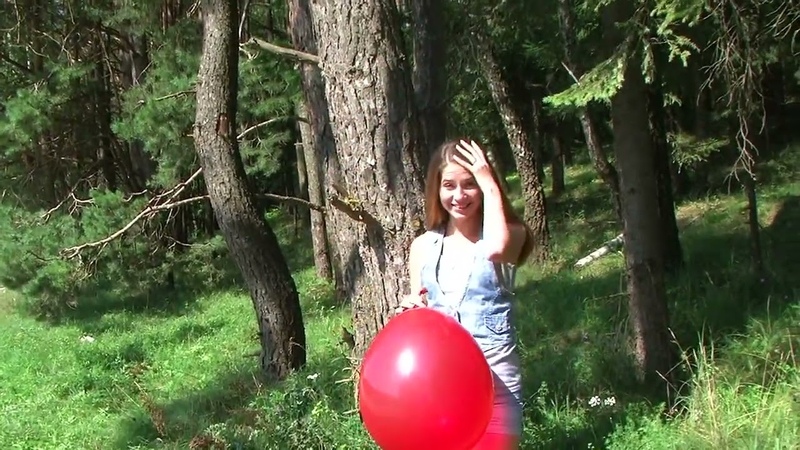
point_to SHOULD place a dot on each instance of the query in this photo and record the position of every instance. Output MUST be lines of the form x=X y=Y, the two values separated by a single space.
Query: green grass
x=155 y=380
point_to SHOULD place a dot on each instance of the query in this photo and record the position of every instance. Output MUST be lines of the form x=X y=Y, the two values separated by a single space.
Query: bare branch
x=166 y=97
x=178 y=188
x=293 y=200
x=153 y=208
x=296 y=55
x=571 y=74
x=150 y=210
x=256 y=126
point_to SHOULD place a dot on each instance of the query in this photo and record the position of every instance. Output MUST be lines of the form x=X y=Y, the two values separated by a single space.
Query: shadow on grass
x=572 y=325
x=166 y=289
x=312 y=409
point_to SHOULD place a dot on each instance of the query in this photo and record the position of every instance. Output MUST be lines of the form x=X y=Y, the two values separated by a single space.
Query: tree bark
x=319 y=238
x=429 y=75
x=635 y=157
x=644 y=264
x=374 y=124
x=522 y=145
x=252 y=243
x=670 y=238
x=346 y=267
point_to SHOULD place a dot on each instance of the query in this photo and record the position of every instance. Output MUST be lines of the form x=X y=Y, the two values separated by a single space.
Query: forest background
x=205 y=211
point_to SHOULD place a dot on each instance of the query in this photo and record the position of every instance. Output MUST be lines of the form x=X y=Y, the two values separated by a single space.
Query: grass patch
x=151 y=380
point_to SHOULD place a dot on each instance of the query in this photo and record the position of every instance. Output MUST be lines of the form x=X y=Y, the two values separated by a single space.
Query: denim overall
x=478 y=293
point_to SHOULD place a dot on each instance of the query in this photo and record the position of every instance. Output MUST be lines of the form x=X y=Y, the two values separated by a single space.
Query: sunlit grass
x=161 y=380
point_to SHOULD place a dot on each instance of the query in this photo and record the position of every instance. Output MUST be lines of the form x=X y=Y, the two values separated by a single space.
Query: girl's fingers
x=466 y=154
x=477 y=151
x=461 y=161
x=467 y=147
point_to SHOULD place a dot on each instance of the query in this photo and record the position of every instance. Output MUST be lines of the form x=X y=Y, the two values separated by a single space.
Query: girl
x=466 y=264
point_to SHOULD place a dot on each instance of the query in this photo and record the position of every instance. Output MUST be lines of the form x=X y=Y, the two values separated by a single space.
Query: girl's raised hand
x=471 y=156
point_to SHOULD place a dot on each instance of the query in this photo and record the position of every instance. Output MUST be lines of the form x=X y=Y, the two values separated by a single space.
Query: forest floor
x=159 y=378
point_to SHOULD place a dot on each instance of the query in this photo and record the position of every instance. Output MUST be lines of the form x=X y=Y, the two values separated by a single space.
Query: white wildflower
x=594 y=401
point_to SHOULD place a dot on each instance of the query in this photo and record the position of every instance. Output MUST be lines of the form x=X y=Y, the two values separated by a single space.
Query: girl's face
x=459 y=193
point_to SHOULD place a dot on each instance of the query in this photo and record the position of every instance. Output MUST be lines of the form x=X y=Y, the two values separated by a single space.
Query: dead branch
x=571 y=74
x=76 y=203
x=178 y=188
x=610 y=246
x=256 y=126
x=166 y=97
x=71 y=252
x=149 y=210
x=293 y=200
x=296 y=55
x=154 y=207
x=354 y=211
x=174 y=94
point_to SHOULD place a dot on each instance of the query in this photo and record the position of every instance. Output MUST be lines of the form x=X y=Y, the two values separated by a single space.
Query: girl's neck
x=469 y=229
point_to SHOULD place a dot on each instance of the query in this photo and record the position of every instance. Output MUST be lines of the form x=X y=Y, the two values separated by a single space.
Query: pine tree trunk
x=342 y=246
x=252 y=243
x=749 y=143
x=635 y=158
x=644 y=263
x=522 y=145
x=371 y=105
x=756 y=258
x=670 y=239
x=319 y=238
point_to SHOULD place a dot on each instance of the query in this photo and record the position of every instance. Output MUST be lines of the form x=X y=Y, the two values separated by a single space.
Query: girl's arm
x=503 y=241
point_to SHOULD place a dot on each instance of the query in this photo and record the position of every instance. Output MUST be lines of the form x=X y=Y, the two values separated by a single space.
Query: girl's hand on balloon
x=412 y=301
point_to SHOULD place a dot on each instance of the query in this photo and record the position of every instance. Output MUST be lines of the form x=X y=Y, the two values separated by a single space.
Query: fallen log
x=610 y=246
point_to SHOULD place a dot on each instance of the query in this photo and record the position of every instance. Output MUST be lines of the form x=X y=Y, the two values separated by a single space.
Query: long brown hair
x=436 y=216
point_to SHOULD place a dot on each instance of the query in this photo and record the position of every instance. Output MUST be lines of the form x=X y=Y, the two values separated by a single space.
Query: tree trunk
x=371 y=104
x=252 y=243
x=635 y=157
x=558 y=186
x=346 y=266
x=536 y=132
x=670 y=239
x=319 y=238
x=429 y=75
x=522 y=146
x=749 y=143
x=301 y=214
x=603 y=167
x=756 y=259
x=643 y=257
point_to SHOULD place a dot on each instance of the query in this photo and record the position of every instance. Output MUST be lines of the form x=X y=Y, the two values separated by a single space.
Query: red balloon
x=425 y=384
